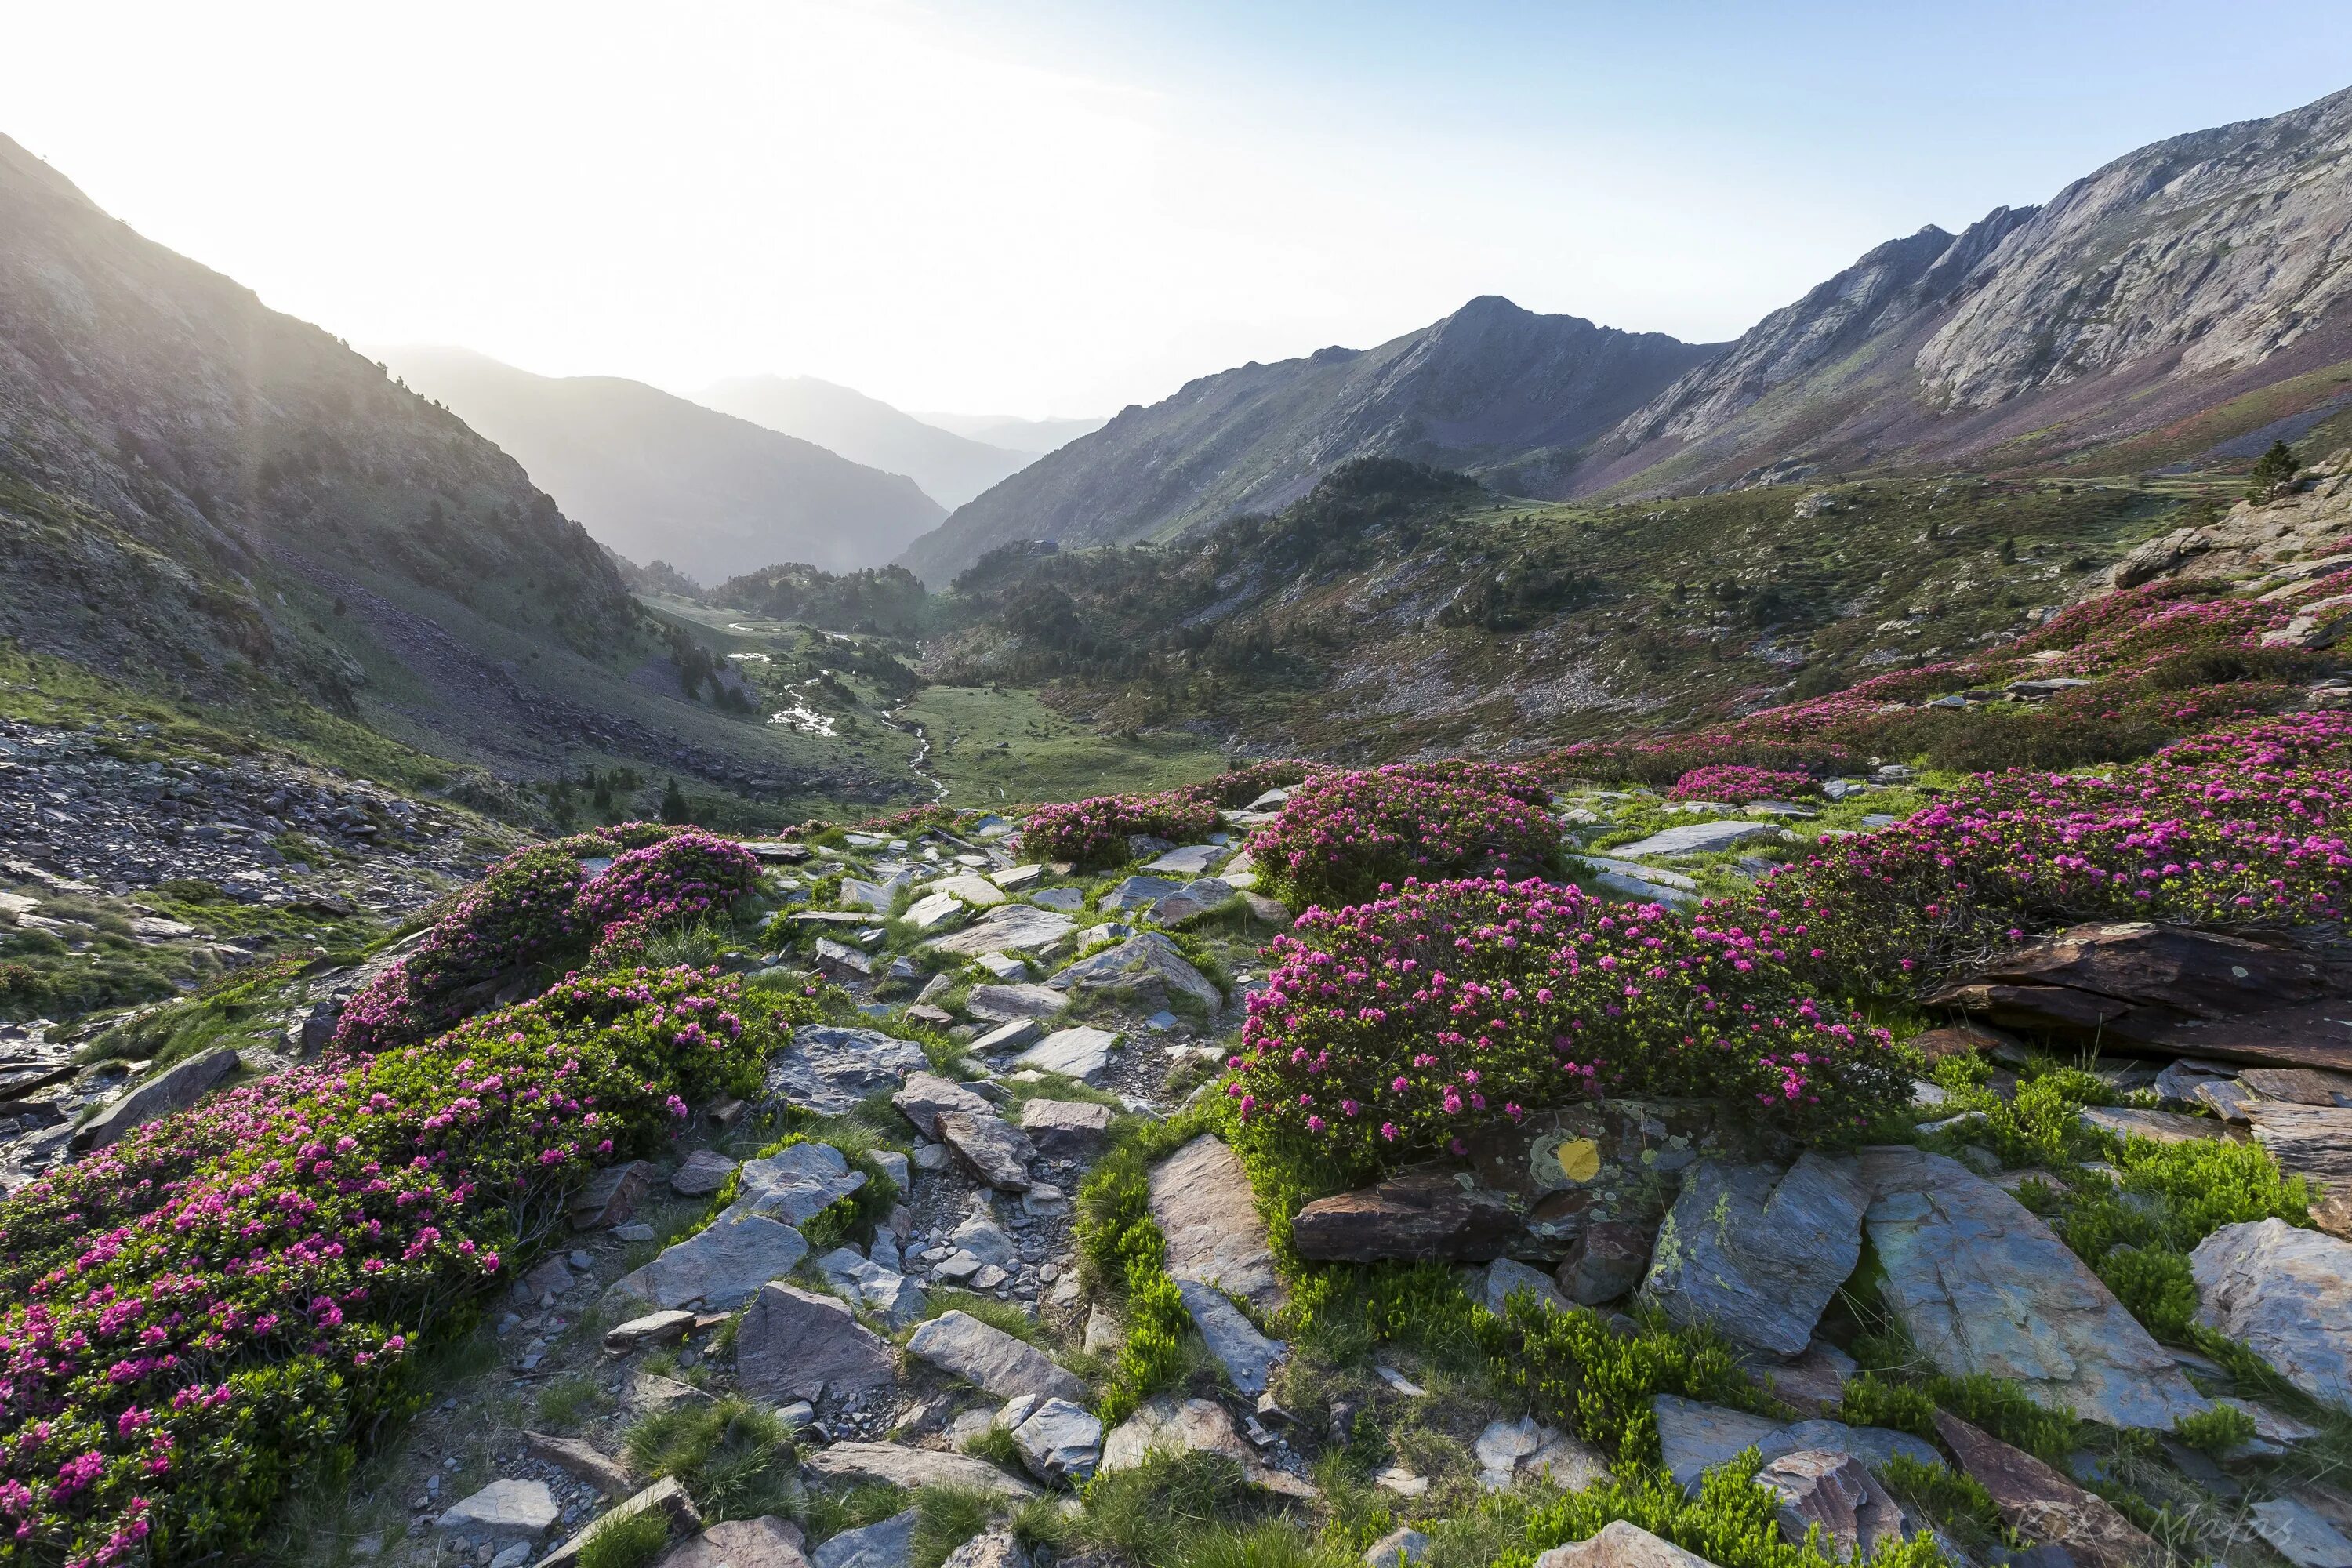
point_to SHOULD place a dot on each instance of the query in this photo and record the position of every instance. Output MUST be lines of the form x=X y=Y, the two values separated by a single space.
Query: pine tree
x=674 y=809
x=2273 y=470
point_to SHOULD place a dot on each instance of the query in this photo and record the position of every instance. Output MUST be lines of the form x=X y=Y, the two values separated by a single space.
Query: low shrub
x=1095 y=832
x=209 y=1313
x=1732 y=1521
x=1738 y=782
x=1345 y=836
x=1236 y=787
x=1387 y=1030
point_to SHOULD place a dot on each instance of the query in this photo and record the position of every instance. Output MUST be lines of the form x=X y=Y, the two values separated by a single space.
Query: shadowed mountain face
x=2204 y=278
x=950 y=469
x=655 y=476
x=1491 y=390
x=164 y=437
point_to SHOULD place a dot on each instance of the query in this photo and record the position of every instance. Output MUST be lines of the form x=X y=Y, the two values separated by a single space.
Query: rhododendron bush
x=1341 y=836
x=544 y=903
x=1393 y=1029
x=1095 y=832
x=210 y=1312
x=1738 y=782
x=2243 y=827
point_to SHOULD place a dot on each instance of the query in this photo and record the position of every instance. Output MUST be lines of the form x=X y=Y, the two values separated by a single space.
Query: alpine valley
x=1532 y=945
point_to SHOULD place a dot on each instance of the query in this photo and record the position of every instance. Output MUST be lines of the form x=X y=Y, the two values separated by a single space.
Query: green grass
x=1048 y=757
x=626 y=1540
x=734 y=1458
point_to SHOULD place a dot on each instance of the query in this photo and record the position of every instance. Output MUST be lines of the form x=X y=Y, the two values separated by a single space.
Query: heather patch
x=1738 y=782
x=210 y=1313
x=1094 y=833
x=1346 y=837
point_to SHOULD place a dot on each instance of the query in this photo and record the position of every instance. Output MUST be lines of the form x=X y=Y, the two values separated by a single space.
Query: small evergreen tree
x=674 y=809
x=2273 y=470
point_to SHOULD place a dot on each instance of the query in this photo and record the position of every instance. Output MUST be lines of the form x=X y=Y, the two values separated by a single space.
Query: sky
x=1046 y=206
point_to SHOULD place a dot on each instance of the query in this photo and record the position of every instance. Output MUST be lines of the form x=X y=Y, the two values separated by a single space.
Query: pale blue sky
x=1047 y=206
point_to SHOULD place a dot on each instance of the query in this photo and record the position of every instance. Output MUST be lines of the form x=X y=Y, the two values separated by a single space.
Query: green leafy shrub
x=2216 y=1431
x=1732 y=1523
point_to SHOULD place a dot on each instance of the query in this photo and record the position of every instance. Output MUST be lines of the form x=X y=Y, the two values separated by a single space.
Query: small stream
x=919 y=763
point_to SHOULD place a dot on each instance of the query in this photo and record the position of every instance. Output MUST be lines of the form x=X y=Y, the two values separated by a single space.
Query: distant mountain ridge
x=1491 y=390
x=1014 y=434
x=950 y=468
x=656 y=476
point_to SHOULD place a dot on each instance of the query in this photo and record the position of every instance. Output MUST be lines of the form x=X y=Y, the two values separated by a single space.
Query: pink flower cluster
x=687 y=877
x=1737 y=782
x=1095 y=832
x=1402 y=1026
x=202 y=1314
x=1343 y=836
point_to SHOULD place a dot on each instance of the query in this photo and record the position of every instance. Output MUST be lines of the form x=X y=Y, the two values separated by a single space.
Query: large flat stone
x=2299 y=1533
x=970 y=887
x=926 y=1094
x=888 y=1544
x=1699 y=838
x=1248 y=1357
x=898 y=1466
x=795 y=1185
x=1008 y=927
x=176 y=1088
x=505 y=1510
x=997 y=1151
x=1757 y=1251
x=2286 y=1295
x=1190 y=901
x=1622 y=1544
x=1065 y=1129
x=829 y=1068
x=665 y=1496
x=1148 y=968
x=1692 y=1439
x=1059 y=1441
x=2042 y=1505
x=792 y=1344
x=720 y=1266
x=962 y=1346
x=1003 y=1004
x=1983 y=1285
x=1083 y=1053
x=766 y=1542
x=1417 y=1215
x=1189 y=860
x=1134 y=893
x=1201 y=1200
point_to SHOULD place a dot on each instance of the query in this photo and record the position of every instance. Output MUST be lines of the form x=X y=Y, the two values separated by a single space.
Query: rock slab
x=1201 y=1200
x=792 y=1344
x=1757 y=1251
x=899 y=1466
x=1622 y=1544
x=2286 y=1294
x=2042 y=1505
x=962 y=1346
x=720 y=1266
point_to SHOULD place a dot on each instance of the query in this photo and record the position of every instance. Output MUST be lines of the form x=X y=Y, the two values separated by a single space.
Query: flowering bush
x=1660 y=760
x=1391 y=1030
x=539 y=903
x=210 y=1311
x=1343 y=835
x=1738 y=782
x=2242 y=827
x=1239 y=787
x=1095 y=832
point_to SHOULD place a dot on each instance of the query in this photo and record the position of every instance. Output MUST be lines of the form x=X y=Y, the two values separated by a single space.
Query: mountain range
x=950 y=468
x=658 y=477
x=2183 y=301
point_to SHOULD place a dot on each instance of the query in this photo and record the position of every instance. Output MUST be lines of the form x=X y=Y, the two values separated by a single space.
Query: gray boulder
x=1692 y=1439
x=703 y=1173
x=1983 y=1285
x=1083 y=1053
x=718 y=1268
x=1837 y=1494
x=894 y=1464
x=889 y=1544
x=795 y=1345
x=1135 y=892
x=1059 y=1441
x=1398 y=1547
x=1003 y=1004
x=1622 y=1544
x=989 y=1549
x=1248 y=1357
x=1065 y=1129
x=2301 y=1534
x=1758 y=1252
x=1146 y=968
x=926 y=1094
x=1008 y=927
x=1510 y=1451
x=886 y=1293
x=828 y=1069
x=998 y=1153
x=765 y=1542
x=176 y=1088
x=505 y=1510
x=2286 y=1294
x=1201 y=1200
x=962 y=1346
x=1700 y=838
x=1190 y=901
x=795 y=1185
x=1166 y=1424
x=1506 y=1277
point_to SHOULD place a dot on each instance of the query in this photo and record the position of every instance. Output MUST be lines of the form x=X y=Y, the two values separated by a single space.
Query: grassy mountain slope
x=1492 y=389
x=950 y=469
x=656 y=476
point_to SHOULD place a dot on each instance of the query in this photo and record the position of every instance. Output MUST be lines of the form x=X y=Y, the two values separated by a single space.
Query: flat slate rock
x=1757 y=1251
x=1003 y=1004
x=888 y=1544
x=175 y=1089
x=1135 y=892
x=971 y=887
x=1699 y=838
x=828 y=1069
x=1008 y=927
x=886 y=1293
x=1190 y=901
x=1505 y=1277
x=1167 y=1425
x=1248 y=1357
x=997 y=1151
x=704 y=1172
x=1061 y=900
x=1007 y=1036
x=1065 y=1129
x=720 y=1266
x=795 y=1185
x=505 y=1509
x=936 y=911
x=2042 y=1505
x=1693 y=1438
x=611 y=1196
x=896 y=1464
x=1983 y=1285
x=793 y=1344
x=2301 y=1534
x=1083 y=1053
x=2286 y=1294
x=962 y=1346
x=1201 y=1200
x=926 y=1094
x=1148 y=967
x=1190 y=860
x=764 y=1543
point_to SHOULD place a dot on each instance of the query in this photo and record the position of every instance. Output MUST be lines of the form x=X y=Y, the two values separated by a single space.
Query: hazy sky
x=1062 y=207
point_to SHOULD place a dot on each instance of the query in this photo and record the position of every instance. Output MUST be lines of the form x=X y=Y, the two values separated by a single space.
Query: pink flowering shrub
x=539 y=904
x=1660 y=760
x=1095 y=832
x=1343 y=835
x=2242 y=827
x=1239 y=787
x=213 y=1311
x=1737 y=782
x=1393 y=1029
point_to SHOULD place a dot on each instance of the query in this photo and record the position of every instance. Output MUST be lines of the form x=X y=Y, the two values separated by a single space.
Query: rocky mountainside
x=1492 y=390
x=655 y=476
x=164 y=438
x=951 y=468
x=2207 y=274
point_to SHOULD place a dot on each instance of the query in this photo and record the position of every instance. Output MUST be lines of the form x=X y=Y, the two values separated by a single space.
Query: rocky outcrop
x=2286 y=1295
x=1416 y=1215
